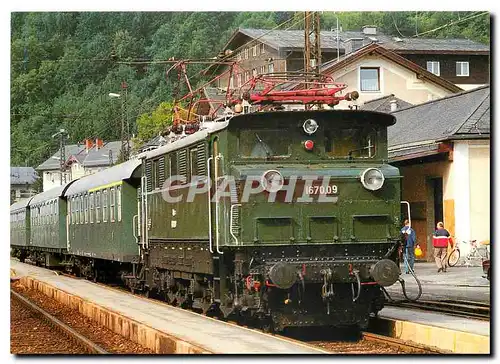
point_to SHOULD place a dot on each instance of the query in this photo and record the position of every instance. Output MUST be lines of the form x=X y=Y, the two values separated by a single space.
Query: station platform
x=458 y=283
x=185 y=331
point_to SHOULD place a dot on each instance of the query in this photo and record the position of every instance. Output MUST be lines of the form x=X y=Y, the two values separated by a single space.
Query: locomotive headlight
x=310 y=126
x=372 y=179
x=272 y=180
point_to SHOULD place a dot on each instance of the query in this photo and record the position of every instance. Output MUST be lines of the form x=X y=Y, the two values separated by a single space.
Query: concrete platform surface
x=213 y=335
x=458 y=283
x=478 y=327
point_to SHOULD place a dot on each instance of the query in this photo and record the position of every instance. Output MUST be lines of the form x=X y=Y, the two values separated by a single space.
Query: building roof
x=294 y=39
x=464 y=115
x=419 y=44
x=76 y=152
x=287 y=39
x=22 y=175
x=376 y=49
x=383 y=104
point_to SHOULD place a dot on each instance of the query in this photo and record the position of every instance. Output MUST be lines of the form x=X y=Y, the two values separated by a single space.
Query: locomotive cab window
x=351 y=143
x=264 y=143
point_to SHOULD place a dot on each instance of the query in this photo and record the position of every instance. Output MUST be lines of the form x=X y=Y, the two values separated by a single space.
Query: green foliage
x=64 y=65
x=152 y=124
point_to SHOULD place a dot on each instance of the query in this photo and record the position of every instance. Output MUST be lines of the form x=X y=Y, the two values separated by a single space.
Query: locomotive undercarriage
x=255 y=285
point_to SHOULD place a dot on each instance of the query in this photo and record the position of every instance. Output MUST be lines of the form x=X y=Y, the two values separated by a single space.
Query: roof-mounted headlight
x=372 y=179
x=272 y=180
x=310 y=126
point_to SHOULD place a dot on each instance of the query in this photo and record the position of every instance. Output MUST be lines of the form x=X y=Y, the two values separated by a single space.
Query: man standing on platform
x=440 y=241
x=409 y=248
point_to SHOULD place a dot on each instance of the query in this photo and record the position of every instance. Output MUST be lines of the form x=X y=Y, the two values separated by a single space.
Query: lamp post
x=125 y=146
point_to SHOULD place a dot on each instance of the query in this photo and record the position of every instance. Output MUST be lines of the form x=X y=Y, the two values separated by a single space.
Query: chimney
x=98 y=143
x=369 y=30
x=394 y=105
x=88 y=145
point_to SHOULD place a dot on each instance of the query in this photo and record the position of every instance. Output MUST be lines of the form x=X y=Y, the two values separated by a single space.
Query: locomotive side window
x=351 y=143
x=263 y=143
x=98 y=207
x=105 y=206
x=112 y=205
x=119 y=202
x=91 y=220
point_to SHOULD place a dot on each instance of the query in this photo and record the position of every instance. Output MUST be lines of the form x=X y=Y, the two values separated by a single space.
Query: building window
x=238 y=56
x=254 y=51
x=91 y=220
x=254 y=72
x=112 y=205
x=262 y=48
x=270 y=68
x=369 y=79
x=238 y=77
x=246 y=53
x=262 y=70
x=463 y=69
x=247 y=76
x=119 y=202
x=433 y=67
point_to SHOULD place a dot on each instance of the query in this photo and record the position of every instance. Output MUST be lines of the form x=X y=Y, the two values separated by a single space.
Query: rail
x=89 y=345
x=467 y=309
x=402 y=344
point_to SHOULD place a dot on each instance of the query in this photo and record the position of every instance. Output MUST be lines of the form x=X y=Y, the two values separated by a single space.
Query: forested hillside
x=64 y=65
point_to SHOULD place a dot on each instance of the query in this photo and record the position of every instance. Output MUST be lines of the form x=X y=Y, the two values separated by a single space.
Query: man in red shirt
x=440 y=241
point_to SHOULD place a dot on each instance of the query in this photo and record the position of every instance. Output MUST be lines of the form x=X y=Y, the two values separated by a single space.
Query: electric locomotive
x=293 y=217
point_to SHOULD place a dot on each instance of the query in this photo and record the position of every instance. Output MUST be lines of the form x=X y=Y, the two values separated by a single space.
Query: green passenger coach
x=100 y=216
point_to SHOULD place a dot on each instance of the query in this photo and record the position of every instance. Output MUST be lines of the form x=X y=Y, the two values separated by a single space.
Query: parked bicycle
x=475 y=253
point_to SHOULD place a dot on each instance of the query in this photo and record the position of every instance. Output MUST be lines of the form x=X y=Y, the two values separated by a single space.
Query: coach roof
x=51 y=194
x=116 y=173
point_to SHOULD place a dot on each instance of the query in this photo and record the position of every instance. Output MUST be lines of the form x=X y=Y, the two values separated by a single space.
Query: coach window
x=105 y=206
x=119 y=202
x=112 y=205
x=73 y=209
x=98 y=207
x=91 y=208
x=81 y=209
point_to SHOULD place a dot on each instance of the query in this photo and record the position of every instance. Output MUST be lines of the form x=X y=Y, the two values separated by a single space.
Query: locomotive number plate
x=322 y=190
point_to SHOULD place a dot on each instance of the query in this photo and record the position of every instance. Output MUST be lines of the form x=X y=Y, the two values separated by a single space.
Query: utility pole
x=62 y=154
x=125 y=132
x=312 y=51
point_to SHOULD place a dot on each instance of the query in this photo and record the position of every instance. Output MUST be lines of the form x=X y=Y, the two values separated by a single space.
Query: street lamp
x=125 y=147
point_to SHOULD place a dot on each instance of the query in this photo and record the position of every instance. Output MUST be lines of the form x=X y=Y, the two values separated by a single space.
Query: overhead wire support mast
x=312 y=50
x=62 y=154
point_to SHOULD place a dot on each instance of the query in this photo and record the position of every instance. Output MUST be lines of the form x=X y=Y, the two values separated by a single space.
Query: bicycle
x=473 y=254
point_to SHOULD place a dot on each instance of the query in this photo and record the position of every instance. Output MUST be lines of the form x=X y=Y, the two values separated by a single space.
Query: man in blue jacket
x=409 y=248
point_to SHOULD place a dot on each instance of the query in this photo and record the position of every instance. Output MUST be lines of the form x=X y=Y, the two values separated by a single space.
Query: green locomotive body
x=286 y=256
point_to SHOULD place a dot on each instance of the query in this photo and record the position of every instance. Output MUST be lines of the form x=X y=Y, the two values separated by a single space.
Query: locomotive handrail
x=231 y=221
x=217 y=232
x=409 y=215
x=209 y=209
x=134 y=226
x=67 y=231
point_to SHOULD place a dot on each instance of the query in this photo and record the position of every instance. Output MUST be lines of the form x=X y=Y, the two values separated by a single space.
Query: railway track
x=88 y=346
x=467 y=309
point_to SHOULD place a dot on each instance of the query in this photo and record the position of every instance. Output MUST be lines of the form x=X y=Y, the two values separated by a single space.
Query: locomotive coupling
x=385 y=272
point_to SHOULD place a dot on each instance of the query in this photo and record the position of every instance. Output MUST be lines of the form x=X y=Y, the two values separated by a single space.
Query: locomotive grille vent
x=149 y=176
x=235 y=214
x=182 y=162
x=161 y=171
x=201 y=162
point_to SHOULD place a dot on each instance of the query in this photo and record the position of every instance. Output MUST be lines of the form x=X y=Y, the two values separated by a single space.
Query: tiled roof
x=383 y=104
x=289 y=39
x=22 y=175
x=462 y=115
x=418 y=43
x=92 y=158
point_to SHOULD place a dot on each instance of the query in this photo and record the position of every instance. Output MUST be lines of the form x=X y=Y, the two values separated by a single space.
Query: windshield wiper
x=268 y=153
